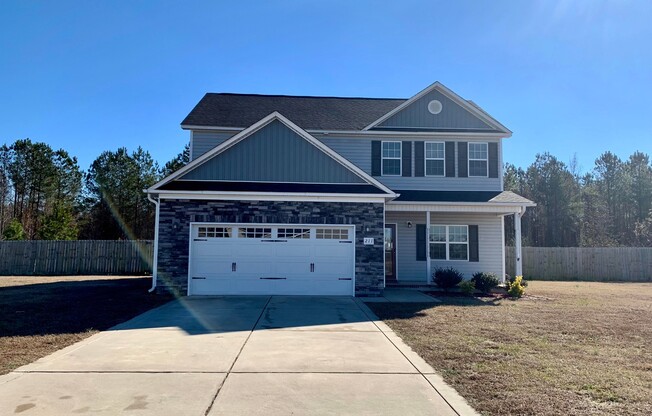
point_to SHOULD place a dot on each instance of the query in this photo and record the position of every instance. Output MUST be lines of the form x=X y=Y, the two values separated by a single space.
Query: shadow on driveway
x=67 y=307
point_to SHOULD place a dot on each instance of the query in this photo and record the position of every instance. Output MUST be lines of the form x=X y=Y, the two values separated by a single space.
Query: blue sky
x=566 y=76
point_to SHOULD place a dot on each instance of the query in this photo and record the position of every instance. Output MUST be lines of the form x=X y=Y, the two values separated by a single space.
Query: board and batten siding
x=490 y=243
x=358 y=151
x=204 y=140
x=452 y=116
x=274 y=153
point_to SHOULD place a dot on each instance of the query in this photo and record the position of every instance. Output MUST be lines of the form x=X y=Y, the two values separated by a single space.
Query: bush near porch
x=566 y=348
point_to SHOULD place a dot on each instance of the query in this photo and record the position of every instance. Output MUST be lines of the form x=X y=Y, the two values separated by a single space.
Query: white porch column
x=517 y=242
x=428 y=266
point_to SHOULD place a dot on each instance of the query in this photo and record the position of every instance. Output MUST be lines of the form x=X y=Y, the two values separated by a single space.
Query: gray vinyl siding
x=407 y=266
x=452 y=116
x=490 y=242
x=204 y=140
x=358 y=151
x=273 y=154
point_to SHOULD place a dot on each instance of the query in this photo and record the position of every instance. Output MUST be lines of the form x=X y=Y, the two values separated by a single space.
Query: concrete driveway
x=236 y=356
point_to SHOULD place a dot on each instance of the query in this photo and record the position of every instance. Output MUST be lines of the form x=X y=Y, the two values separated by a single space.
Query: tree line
x=44 y=194
x=611 y=205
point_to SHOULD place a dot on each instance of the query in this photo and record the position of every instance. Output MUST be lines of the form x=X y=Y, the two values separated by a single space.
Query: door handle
x=312 y=267
x=234 y=267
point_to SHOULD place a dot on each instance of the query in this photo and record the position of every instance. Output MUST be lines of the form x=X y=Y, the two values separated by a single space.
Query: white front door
x=260 y=259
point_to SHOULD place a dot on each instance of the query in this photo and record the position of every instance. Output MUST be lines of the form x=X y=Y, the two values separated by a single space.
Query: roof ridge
x=305 y=96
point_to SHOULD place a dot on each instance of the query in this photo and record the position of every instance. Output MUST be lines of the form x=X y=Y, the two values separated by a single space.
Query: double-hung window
x=391 y=159
x=449 y=242
x=478 y=164
x=435 y=158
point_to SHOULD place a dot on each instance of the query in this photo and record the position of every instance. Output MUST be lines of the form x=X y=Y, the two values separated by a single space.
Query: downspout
x=155 y=260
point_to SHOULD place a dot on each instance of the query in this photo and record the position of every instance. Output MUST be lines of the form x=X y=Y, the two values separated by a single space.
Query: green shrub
x=467 y=287
x=484 y=282
x=447 y=278
x=516 y=289
x=510 y=279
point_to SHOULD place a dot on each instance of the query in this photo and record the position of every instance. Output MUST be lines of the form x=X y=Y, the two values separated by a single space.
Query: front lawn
x=40 y=315
x=568 y=349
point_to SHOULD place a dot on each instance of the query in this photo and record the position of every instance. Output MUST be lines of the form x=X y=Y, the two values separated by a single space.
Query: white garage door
x=260 y=259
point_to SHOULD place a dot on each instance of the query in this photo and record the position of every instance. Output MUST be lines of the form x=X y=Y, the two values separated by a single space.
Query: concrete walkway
x=399 y=295
x=236 y=356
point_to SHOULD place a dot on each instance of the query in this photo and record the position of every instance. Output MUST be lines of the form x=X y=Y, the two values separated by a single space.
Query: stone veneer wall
x=176 y=216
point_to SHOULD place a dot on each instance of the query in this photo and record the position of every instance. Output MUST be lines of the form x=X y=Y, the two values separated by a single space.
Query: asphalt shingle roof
x=313 y=113
x=506 y=197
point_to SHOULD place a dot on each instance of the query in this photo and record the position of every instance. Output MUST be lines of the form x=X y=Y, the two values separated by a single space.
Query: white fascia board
x=454 y=207
x=257 y=126
x=272 y=196
x=488 y=203
x=456 y=98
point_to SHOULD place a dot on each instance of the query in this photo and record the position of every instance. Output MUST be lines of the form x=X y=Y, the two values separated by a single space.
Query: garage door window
x=332 y=234
x=214 y=232
x=294 y=233
x=254 y=232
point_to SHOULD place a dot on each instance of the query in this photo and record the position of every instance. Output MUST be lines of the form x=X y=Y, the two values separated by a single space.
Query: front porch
x=421 y=236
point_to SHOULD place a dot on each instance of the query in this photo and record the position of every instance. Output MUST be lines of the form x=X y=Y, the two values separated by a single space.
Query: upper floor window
x=435 y=158
x=478 y=159
x=391 y=159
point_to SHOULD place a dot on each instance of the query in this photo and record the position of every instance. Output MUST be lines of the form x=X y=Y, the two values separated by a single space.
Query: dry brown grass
x=40 y=315
x=572 y=348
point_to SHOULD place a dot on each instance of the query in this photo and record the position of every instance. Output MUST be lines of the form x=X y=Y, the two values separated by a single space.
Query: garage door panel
x=255 y=249
x=209 y=268
x=272 y=266
x=253 y=267
x=336 y=270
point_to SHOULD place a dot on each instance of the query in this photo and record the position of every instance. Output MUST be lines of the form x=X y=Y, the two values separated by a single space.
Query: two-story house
x=332 y=196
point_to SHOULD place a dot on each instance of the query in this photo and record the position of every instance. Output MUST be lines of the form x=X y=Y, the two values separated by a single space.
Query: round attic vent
x=434 y=107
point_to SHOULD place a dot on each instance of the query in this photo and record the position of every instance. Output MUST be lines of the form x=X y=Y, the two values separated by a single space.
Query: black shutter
x=419 y=163
x=406 y=154
x=474 y=252
x=421 y=242
x=493 y=160
x=463 y=159
x=450 y=159
x=375 y=158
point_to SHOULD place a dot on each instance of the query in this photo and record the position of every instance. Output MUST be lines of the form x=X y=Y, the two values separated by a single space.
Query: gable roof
x=271 y=118
x=312 y=113
x=471 y=107
x=274 y=153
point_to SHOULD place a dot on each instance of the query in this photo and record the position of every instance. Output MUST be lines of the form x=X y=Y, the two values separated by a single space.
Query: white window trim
x=400 y=158
x=426 y=159
x=448 y=242
x=468 y=160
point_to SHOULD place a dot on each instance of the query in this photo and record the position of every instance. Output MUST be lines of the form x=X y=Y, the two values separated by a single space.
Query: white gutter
x=155 y=260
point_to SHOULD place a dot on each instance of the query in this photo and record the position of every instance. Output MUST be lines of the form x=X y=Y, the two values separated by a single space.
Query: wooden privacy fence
x=632 y=264
x=75 y=257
